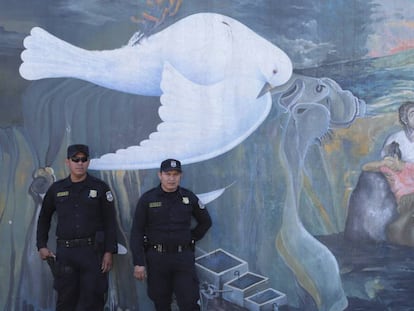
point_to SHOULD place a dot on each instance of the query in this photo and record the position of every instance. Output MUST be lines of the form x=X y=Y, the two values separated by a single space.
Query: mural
x=273 y=107
x=226 y=64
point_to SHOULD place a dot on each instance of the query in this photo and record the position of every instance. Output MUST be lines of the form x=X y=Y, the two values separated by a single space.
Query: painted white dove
x=209 y=69
x=205 y=48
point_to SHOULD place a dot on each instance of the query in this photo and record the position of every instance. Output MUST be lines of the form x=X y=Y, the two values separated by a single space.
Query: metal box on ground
x=265 y=300
x=219 y=267
x=243 y=286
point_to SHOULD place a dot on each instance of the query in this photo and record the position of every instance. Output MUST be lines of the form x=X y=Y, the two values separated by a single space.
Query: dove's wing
x=199 y=122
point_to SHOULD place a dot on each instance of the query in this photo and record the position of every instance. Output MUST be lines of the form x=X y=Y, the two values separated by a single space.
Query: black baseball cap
x=74 y=149
x=170 y=165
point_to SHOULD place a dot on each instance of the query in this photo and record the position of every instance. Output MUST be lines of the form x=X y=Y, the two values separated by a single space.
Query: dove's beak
x=266 y=88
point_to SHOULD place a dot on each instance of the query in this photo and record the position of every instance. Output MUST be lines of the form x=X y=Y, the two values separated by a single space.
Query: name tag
x=62 y=194
x=155 y=204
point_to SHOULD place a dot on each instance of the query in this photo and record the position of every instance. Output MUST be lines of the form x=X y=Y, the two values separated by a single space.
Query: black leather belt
x=76 y=242
x=169 y=248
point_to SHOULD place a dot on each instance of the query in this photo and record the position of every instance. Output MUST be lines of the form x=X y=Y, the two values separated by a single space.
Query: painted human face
x=410 y=117
x=170 y=180
x=78 y=167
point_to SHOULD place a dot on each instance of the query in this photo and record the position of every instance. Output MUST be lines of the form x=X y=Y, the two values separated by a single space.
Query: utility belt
x=76 y=242
x=170 y=248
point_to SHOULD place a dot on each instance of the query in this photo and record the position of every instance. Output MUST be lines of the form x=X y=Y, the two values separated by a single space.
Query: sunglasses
x=81 y=159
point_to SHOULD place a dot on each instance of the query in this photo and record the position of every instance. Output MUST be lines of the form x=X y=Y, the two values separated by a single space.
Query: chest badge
x=93 y=194
x=186 y=200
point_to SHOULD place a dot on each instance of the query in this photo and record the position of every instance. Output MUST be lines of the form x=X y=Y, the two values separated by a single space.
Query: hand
x=139 y=272
x=393 y=163
x=106 y=262
x=44 y=253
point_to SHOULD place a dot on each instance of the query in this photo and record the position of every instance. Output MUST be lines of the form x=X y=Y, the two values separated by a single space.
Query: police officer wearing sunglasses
x=85 y=231
x=162 y=240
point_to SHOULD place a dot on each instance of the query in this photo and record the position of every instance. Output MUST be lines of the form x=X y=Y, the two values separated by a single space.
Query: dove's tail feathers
x=46 y=56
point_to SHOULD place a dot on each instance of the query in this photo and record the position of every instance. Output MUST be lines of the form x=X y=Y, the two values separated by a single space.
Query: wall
x=288 y=160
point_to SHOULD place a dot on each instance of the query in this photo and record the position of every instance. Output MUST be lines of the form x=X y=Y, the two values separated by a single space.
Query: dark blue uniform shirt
x=82 y=209
x=166 y=218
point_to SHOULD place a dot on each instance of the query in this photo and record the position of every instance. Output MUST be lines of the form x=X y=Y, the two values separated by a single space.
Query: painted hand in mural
x=315 y=106
x=343 y=106
x=155 y=15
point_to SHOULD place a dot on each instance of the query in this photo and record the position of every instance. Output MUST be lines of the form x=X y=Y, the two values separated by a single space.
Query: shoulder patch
x=109 y=196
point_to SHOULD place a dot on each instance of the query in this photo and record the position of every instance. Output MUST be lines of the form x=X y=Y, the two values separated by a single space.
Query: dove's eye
x=274 y=71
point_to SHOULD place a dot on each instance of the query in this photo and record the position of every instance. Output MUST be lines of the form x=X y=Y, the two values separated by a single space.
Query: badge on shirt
x=201 y=204
x=109 y=196
x=93 y=194
x=186 y=200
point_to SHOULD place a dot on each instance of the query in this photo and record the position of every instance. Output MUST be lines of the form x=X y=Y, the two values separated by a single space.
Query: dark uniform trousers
x=79 y=281
x=172 y=272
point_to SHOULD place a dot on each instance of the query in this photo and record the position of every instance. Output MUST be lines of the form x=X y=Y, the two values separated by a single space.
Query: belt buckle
x=159 y=248
x=179 y=248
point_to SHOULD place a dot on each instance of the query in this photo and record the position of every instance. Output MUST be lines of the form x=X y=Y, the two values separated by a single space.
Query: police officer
x=85 y=231
x=162 y=240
